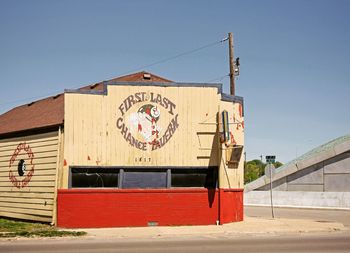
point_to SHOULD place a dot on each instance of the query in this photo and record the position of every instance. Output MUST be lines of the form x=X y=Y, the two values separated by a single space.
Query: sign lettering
x=142 y=128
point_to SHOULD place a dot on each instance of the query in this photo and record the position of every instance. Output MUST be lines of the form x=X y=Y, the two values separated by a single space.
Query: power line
x=136 y=69
x=219 y=78
x=175 y=56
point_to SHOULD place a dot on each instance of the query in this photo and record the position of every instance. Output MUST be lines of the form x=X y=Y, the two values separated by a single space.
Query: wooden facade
x=29 y=193
x=128 y=125
x=99 y=131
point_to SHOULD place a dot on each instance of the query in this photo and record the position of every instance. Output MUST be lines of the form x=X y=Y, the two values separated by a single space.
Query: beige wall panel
x=33 y=189
x=229 y=177
x=31 y=211
x=34 y=206
x=40 y=139
x=28 y=192
x=38 y=166
x=38 y=178
x=33 y=183
x=94 y=127
x=45 y=145
x=27 y=200
x=93 y=138
x=45 y=166
x=29 y=195
x=41 y=161
x=38 y=154
x=38 y=173
x=25 y=216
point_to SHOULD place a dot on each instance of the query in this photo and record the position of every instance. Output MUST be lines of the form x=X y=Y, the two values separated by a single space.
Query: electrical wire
x=135 y=69
x=219 y=78
x=174 y=57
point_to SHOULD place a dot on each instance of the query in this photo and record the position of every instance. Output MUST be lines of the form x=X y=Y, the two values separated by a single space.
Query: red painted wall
x=84 y=208
x=231 y=205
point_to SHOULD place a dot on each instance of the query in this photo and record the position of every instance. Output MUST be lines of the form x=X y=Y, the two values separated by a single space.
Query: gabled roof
x=49 y=112
x=39 y=114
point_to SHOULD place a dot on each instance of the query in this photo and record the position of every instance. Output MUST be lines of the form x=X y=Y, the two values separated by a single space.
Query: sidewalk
x=249 y=226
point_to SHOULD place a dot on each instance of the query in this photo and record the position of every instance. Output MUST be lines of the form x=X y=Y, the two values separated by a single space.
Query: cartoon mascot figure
x=145 y=121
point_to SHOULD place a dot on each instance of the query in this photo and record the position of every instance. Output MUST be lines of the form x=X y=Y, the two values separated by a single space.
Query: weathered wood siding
x=28 y=194
x=94 y=126
x=228 y=177
x=92 y=136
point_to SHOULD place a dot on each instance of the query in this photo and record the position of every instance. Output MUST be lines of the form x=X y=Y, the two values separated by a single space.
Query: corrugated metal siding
x=31 y=195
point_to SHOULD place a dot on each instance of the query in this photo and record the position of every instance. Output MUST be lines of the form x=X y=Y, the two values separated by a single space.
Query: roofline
x=91 y=92
x=235 y=99
x=224 y=97
x=172 y=84
x=141 y=72
x=32 y=102
x=158 y=84
x=30 y=131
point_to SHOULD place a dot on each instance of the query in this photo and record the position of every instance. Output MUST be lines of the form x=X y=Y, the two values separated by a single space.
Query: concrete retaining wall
x=331 y=175
x=299 y=199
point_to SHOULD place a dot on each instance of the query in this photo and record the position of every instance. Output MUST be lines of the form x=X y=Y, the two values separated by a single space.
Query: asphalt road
x=298 y=244
x=326 y=242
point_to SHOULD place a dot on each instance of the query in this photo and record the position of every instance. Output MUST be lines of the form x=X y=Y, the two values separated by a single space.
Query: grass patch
x=13 y=228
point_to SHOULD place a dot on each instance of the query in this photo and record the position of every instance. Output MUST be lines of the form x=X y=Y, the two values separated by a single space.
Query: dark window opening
x=146 y=178
x=94 y=178
x=142 y=178
x=194 y=178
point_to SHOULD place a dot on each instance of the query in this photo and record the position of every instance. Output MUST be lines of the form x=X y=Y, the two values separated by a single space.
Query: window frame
x=125 y=169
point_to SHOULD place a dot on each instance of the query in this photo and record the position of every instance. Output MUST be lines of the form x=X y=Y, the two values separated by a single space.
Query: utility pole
x=232 y=73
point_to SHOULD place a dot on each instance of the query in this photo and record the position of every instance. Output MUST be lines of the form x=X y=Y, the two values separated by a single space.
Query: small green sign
x=270 y=159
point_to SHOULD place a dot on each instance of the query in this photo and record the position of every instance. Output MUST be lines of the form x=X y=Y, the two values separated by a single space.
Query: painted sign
x=140 y=122
x=225 y=126
x=21 y=176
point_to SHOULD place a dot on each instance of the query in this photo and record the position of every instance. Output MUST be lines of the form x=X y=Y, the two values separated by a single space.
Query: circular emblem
x=23 y=176
x=142 y=127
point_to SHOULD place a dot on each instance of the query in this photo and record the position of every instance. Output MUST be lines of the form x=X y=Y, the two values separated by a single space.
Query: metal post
x=270 y=160
x=270 y=169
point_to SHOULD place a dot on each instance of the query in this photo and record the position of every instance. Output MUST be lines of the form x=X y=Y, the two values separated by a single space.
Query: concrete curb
x=250 y=226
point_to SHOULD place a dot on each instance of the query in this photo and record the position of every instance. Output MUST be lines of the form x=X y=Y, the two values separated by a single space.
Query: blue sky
x=294 y=57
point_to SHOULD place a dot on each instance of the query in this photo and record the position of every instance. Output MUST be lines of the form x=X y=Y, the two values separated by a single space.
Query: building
x=137 y=150
x=319 y=178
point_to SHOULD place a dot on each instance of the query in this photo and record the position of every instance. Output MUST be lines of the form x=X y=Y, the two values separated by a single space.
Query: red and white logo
x=145 y=122
x=19 y=175
x=143 y=126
